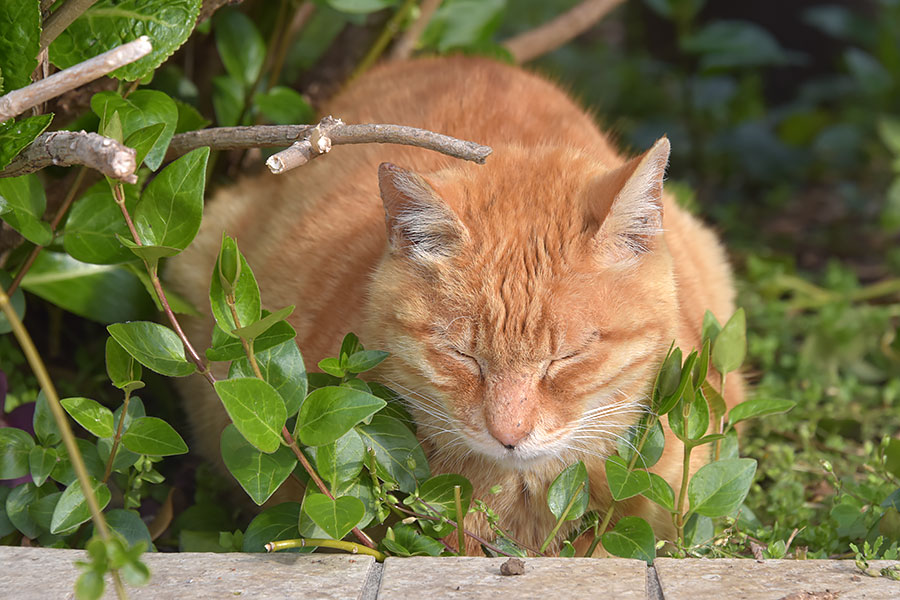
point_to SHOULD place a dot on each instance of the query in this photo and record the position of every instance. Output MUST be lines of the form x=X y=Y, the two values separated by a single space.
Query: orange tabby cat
x=526 y=303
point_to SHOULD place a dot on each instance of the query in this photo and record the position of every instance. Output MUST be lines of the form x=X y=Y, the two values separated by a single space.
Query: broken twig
x=66 y=148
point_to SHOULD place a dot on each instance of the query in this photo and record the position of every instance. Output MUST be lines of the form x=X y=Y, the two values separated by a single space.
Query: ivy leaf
x=336 y=517
x=44 y=424
x=360 y=362
x=284 y=106
x=22 y=204
x=240 y=45
x=102 y=293
x=72 y=509
x=632 y=537
x=697 y=421
x=111 y=23
x=571 y=484
x=90 y=414
x=15 y=447
x=135 y=116
x=404 y=540
x=342 y=459
x=438 y=492
x=18 y=503
x=622 y=482
x=258 y=473
x=225 y=347
x=143 y=140
x=94 y=224
x=171 y=207
x=330 y=412
x=282 y=368
x=653 y=445
x=719 y=488
x=256 y=410
x=731 y=344
x=20 y=42
x=271 y=525
x=153 y=345
x=130 y=526
x=15 y=136
x=41 y=461
x=396 y=449
x=123 y=370
x=153 y=436
x=660 y=492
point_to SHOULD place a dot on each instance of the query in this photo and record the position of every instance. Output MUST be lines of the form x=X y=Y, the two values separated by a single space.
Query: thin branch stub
x=67 y=148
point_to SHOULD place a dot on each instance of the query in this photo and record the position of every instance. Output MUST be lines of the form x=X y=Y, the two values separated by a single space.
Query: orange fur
x=526 y=303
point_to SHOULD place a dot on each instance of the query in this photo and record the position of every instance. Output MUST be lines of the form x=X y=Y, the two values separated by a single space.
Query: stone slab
x=473 y=578
x=42 y=573
x=770 y=580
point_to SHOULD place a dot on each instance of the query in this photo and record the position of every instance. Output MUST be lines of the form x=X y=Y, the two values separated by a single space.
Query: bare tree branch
x=405 y=45
x=334 y=130
x=66 y=148
x=550 y=36
x=211 y=6
x=57 y=22
x=18 y=101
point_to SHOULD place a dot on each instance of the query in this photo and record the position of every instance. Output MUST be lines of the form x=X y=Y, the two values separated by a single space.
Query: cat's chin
x=524 y=457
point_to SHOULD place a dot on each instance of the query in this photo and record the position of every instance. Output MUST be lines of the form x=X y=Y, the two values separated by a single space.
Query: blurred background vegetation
x=784 y=119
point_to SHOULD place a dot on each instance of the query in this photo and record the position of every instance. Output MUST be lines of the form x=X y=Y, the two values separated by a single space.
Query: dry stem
x=550 y=36
x=404 y=46
x=57 y=22
x=66 y=148
x=18 y=101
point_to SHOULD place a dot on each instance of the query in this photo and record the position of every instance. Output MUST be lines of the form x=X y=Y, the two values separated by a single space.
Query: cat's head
x=526 y=303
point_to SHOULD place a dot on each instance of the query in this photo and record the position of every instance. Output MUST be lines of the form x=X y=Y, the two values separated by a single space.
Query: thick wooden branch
x=550 y=36
x=18 y=101
x=330 y=132
x=66 y=148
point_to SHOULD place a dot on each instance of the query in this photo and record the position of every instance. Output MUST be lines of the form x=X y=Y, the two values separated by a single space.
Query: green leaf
x=228 y=100
x=711 y=327
x=17 y=301
x=246 y=295
x=670 y=374
x=892 y=457
x=240 y=45
x=701 y=367
x=330 y=412
x=102 y=293
x=362 y=361
x=271 y=525
x=143 y=140
x=139 y=111
x=282 y=368
x=438 y=493
x=89 y=585
x=153 y=436
x=124 y=457
x=717 y=406
x=284 y=106
x=72 y=509
x=230 y=348
x=653 y=445
x=123 y=370
x=698 y=530
x=130 y=526
x=404 y=540
x=64 y=473
x=332 y=366
x=251 y=331
x=90 y=414
x=397 y=450
x=94 y=224
x=44 y=424
x=759 y=407
x=729 y=44
x=15 y=136
x=731 y=344
x=22 y=204
x=148 y=252
x=20 y=42
x=171 y=207
x=153 y=345
x=463 y=24
x=189 y=118
x=111 y=23
x=667 y=403
x=18 y=503
x=258 y=473
x=6 y=526
x=256 y=409
x=15 y=448
x=660 y=492
x=697 y=421
x=336 y=517
x=719 y=488
x=349 y=345
x=342 y=459
x=571 y=483
x=360 y=6
x=622 y=482
x=632 y=537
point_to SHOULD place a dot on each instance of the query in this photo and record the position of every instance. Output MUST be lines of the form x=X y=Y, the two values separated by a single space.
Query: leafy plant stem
x=561 y=518
x=292 y=444
x=601 y=529
x=685 y=475
x=247 y=344
x=384 y=38
x=720 y=428
x=351 y=547
x=115 y=446
x=460 y=519
x=63 y=209
x=62 y=422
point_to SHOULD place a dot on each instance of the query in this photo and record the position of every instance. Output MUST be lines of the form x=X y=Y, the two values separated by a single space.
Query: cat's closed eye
x=471 y=362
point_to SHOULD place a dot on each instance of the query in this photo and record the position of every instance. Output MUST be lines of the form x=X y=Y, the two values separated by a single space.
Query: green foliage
x=15 y=137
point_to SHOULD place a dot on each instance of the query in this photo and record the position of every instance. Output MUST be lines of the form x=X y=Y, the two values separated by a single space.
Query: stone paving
x=40 y=573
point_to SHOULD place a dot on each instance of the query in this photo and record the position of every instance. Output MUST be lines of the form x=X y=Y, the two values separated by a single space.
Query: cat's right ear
x=419 y=223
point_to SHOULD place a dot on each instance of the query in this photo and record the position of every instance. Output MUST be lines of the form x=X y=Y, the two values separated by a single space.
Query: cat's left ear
x=419 y=222
x=625 y=206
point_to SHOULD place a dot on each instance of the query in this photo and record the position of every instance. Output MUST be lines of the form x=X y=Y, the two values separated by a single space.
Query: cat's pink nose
x=510 y=438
